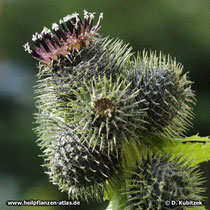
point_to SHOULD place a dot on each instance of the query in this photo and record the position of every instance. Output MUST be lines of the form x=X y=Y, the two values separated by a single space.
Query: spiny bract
x=102 y=57
x=159 y=179
x=166 y=95
x=105 y=113
x=77 y=169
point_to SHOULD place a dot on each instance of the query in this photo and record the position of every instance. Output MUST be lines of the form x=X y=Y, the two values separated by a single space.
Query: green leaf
x=195 y=149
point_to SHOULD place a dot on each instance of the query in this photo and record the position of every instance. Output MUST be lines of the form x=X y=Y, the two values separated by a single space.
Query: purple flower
x=71 y=35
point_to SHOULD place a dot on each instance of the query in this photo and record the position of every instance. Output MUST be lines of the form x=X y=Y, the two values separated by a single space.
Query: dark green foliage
x=159 y=179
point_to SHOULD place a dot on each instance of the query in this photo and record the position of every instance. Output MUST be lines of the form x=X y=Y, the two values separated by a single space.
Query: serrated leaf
x=196 y=149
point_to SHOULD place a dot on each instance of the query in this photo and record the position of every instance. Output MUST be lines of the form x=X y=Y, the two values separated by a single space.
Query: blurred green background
x=180 y=28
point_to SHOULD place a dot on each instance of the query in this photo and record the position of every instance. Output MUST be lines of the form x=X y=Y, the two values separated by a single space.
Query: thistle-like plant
x=111 y=124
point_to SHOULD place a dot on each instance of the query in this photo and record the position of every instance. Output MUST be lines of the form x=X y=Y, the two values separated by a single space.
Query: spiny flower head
x=75 y=168
x=69 y=37
x=158 y=179
x=168 y=97
x=105 y=112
